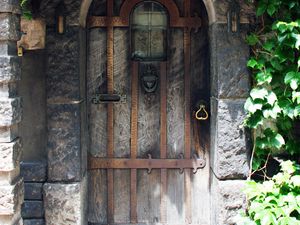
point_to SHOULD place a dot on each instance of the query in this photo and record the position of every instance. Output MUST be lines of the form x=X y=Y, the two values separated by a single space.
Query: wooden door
x=148 y=155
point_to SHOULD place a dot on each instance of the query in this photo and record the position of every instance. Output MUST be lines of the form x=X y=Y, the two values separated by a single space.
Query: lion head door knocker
x=149 y=79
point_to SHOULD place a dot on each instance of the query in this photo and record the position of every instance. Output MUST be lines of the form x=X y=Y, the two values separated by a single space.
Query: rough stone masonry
x=11 y=183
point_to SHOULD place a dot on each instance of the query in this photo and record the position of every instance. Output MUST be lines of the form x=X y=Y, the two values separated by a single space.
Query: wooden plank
x=122 y=85
x=148 y=119
x=96 y=81
x=134 y=137
x=97 y=199
x=110 y=111
x=175 y=127
x=187 y=119
x=163 y=140
x=148 y=197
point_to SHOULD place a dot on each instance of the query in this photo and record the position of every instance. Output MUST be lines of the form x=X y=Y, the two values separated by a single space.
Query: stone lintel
x=10 y=111
x=227 y=200
x=8 y=133
x=34 y=171
x=10 y=154
x=9 y=27
x=65 y=204
x=10 y=69
x=229 y=52
x=10 y=6
x=230 y=143
x=11 y=198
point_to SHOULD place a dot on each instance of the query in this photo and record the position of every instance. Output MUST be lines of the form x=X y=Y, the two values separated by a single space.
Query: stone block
x=11 y=198
x=8 y=47
x=229 y=140
x=247 y=13
x=10 y=69
x=34 y=171
x=227 y=199
x=9 y=177
x=47 y=10
x=63 y=147
x=229 y=54
x=12 y=6
x=15 y=219
x=65 y=203
x=10 y=111
x=9 y=27
x=34 y=222
x=10 y=154
x=8 y=90
x=32 y=210
x=35 y=34
x=9 y=133
x=33 y=191
x=63 y=80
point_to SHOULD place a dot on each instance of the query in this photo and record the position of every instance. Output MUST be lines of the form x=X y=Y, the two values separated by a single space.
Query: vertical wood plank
x=122 y=112
x=134 y=137
x=163 y=139
x=110 y=111
x=187 y=126
x=175 y=126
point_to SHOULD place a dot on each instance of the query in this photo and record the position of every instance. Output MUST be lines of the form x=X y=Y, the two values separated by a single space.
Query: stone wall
x=11 y=183
x=230 y=85
x=65 y=189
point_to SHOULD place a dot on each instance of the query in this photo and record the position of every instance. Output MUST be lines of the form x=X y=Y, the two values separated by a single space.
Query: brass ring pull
x=197 y=115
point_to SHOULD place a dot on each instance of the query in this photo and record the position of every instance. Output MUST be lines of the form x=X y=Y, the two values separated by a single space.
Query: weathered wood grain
x=97 y=201
x=96 y=83
x=122 y=85
x=148 y=196
x=122 y=196
x=148 y=121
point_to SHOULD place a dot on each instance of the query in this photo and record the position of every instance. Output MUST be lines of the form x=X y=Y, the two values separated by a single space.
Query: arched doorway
x=148 y=74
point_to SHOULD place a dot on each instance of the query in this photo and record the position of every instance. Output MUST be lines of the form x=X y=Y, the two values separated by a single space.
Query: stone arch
x=85 y=5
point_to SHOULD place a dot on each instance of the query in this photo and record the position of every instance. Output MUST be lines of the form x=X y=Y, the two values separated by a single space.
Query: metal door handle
x=202 y=111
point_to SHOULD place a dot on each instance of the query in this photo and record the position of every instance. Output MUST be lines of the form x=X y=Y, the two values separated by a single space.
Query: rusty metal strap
x=121 y=163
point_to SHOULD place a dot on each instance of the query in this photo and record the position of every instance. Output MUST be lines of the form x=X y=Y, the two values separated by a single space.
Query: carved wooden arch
x=127 y=7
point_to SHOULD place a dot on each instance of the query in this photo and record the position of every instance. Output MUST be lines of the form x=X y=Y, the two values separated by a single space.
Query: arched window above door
x=149 y=23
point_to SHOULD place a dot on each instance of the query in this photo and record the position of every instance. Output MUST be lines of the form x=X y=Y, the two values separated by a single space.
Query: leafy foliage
x=274 y=102
x=276 y=201
x=26 y=11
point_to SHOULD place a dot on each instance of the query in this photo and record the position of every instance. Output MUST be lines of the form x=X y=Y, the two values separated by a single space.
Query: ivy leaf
x=296 y=97
x=251 y=106
x=277 y=141
x=261 y=8
x=296 y=180
x=289 y=76
x=254 y=120
x=294 y=84
x=271 y=9
x=263 y=77
x=252 y=39
x=252 y=63
x=271 y=98
x=258 y=93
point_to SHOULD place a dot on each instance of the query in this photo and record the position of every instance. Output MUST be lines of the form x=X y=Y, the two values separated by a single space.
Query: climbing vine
x=274 y=102
x=26 y=9
x=273 y=107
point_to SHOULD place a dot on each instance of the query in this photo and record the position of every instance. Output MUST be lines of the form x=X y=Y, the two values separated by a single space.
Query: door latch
x=108 y=98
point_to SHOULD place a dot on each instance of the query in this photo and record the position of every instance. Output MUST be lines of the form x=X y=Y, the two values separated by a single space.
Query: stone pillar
x=230 y=85
x=65 y=191
x=11 y=184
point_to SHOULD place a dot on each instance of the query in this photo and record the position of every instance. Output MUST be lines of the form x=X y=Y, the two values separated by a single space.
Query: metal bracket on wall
x=108 y=98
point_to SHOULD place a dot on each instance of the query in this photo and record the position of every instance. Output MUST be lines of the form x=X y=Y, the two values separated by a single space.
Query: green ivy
x=26 y=11
x=276 y=201
x=274 y=102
